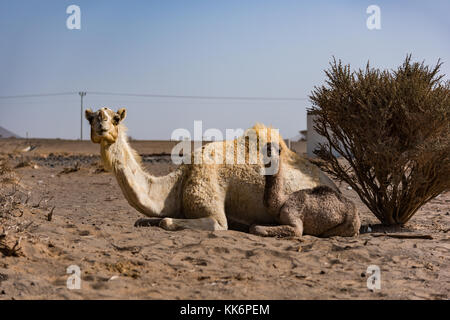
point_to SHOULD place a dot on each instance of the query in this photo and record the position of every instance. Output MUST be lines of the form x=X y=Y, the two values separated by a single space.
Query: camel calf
x=320 y=211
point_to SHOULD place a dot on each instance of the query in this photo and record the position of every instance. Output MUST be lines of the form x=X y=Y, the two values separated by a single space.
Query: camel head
x=105 y=124
x=272 y=148
x=271 y=154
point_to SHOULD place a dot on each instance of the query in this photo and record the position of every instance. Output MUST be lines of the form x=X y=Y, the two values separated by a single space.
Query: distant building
x=302 y=134
x=7 y=134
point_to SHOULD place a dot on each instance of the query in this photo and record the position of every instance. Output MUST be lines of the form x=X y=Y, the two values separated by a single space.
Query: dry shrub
x=10 y=198
x=24 y=162
x=14 y=203
x=9 y=249
x=393 y=130
x=5 y=167
x=76 y=167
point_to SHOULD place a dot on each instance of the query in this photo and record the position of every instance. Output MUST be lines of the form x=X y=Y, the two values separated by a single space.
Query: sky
x=251 y=48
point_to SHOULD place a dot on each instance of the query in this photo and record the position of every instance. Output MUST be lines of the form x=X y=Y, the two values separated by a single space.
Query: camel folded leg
x=276 y=231
x=208 y=224
x=292 y=226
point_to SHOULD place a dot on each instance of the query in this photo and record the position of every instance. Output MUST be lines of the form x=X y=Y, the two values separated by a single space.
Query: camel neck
x=274 y=197
x=119 y=154
x=146 y=193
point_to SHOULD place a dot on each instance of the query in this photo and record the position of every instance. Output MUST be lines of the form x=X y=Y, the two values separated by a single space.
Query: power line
x=38 y=95
x=196 y=97
x=193 y=97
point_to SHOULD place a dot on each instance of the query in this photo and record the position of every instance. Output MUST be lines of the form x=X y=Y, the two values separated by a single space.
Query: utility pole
x=82 y=94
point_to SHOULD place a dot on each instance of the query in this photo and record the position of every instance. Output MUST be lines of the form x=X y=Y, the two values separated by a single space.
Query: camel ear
x=122 y=112
x=88 y=114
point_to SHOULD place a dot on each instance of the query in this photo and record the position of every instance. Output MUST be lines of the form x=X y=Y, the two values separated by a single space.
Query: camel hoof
x=167 y=224
x=147 y=222
x=258 y=230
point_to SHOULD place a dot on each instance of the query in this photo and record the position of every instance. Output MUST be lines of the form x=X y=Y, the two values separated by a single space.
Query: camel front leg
x=208 y=224
x=292 y=226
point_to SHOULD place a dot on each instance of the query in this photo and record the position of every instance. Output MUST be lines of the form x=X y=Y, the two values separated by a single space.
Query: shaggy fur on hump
x=263 y=133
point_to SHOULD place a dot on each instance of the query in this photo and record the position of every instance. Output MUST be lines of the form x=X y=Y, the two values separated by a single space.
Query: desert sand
x=91 y=225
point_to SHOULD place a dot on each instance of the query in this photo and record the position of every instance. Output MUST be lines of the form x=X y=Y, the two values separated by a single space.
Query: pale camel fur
x=197 y=196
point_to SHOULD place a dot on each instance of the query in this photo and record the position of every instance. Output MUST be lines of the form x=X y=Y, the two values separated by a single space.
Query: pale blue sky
x=216 y=48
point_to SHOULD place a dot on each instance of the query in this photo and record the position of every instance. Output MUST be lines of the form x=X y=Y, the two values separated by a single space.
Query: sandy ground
x=92 y=226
